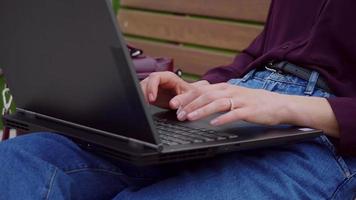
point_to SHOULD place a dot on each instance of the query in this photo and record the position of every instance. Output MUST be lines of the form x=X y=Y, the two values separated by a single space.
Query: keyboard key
x=221 y=138
x=175 y=134
x=233 y=136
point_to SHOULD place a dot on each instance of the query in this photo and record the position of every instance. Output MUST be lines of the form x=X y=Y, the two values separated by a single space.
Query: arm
x=313 y=112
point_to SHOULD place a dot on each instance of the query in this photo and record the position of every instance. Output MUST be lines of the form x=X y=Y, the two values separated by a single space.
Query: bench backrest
x=198 y=34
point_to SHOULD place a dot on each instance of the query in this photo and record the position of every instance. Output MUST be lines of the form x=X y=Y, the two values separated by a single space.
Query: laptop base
x=132 y=152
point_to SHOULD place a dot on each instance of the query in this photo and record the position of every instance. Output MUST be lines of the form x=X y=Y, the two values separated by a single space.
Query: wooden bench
x=198 y=34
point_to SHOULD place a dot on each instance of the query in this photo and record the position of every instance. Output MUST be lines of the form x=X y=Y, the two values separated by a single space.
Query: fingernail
x=175 y=103
x=181 y=115
x=193 y=115
x=214 y=122
x=179 y=109
x=151 y=97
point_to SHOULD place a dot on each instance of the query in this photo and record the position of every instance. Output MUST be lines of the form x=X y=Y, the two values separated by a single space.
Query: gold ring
x=231 y=104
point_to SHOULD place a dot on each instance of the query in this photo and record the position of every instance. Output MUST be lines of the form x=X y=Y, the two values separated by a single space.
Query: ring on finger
x=232 y=107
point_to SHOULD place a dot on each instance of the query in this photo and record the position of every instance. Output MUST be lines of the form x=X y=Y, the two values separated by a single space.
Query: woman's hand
x=160 y=87
x=201 y=99
x=258 y=106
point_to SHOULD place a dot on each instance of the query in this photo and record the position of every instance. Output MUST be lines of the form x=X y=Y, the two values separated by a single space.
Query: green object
x=116 y=5
x=5 y=95
x=5 y=99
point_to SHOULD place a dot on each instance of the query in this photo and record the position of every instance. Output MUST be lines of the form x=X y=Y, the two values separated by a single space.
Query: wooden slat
x=190 y=60
x=255 y=10
x=211 y=33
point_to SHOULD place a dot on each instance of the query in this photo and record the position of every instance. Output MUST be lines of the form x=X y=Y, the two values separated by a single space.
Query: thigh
x=49 y=166
x=307 y=170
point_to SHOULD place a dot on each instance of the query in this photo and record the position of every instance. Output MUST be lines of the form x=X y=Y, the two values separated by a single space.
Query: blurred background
x=197 y=34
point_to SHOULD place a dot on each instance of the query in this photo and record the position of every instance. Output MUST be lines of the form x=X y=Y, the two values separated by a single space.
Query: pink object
x=144 y=65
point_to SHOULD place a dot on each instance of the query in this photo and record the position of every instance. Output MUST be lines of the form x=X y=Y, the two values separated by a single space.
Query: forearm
x=312 y=112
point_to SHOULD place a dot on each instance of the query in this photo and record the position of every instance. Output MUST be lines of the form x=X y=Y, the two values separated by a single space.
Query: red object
x=5 y=134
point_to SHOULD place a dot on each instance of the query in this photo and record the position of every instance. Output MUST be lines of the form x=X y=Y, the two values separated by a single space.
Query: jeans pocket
x=338 y=158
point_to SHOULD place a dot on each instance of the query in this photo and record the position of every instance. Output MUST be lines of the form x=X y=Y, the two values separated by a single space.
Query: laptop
x=70 y=73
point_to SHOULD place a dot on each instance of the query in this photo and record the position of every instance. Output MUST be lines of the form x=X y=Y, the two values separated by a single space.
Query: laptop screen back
x=66 y=59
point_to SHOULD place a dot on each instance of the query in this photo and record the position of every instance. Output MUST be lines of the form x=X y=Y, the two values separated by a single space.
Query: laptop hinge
x=159 y=147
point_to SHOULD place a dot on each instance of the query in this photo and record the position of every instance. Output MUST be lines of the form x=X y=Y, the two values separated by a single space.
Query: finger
x=216 y=106
x=234 y=115
x=170 y=80
x=204 y=100
x=144 y=88
x=152 y=87
x=183 y=99
x=165 y=80
x=212 y=92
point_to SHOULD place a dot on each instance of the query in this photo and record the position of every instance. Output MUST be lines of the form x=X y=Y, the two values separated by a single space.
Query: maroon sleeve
x=233 y=70
x=345 y=111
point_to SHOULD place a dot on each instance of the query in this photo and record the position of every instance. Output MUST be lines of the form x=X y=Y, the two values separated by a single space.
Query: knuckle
x=144 y=80
x=209 y=96
x=220 y=103
x=195 y=92
x=153 y=75
x=223 y=85
x=205 y=82
x=168 y=74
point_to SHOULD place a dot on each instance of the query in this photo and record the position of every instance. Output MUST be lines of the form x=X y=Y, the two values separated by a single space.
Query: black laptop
x=69 y=71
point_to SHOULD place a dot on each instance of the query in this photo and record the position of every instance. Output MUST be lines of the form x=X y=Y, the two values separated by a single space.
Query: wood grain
x=254 y=10
x=181 y=29
x=190 y=60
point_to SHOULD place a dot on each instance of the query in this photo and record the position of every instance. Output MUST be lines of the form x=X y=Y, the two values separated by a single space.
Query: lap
x=56 y=166
x=308 y=170
x=49 y=166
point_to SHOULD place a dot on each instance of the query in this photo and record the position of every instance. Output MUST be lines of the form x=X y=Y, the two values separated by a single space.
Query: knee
x=42 y=145
x=38 y=140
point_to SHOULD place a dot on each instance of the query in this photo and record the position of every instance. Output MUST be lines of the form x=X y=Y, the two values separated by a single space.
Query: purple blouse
x=317 y=34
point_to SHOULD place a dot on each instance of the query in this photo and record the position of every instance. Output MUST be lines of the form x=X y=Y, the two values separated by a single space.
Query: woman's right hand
x=160 y=87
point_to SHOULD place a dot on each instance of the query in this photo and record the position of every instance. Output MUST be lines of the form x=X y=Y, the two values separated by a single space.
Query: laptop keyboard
x=177 y=134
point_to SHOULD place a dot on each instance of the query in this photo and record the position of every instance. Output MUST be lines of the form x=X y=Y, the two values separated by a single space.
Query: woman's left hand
x=252 y=105
x=256 y=106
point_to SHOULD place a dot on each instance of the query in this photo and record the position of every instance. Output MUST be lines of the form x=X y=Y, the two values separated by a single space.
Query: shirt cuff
x=345 y=112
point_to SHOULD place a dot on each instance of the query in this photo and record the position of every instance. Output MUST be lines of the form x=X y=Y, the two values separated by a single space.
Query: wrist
x=286 y=111
x=314 y=112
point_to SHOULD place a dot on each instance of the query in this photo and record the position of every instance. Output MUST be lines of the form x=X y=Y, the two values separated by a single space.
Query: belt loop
x=313 y=79
x=248 y=75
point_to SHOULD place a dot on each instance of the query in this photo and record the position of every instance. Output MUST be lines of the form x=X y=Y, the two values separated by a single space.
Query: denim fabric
x=49 y=166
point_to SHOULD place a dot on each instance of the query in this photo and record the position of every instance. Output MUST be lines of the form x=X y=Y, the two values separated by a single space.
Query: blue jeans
x=49 y=166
